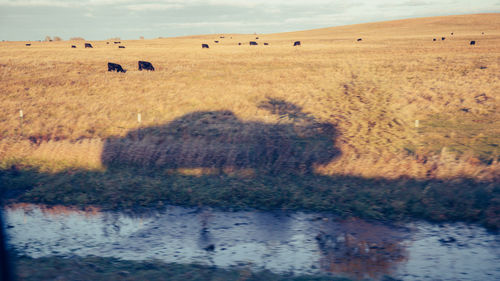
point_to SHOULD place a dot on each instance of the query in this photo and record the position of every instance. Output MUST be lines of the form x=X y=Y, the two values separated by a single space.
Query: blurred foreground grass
x=108 y=269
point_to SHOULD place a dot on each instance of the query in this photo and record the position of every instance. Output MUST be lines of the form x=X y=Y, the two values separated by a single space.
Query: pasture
x=402 y=105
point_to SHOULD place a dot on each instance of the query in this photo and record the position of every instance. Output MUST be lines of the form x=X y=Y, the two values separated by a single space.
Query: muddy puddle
x=283 y=242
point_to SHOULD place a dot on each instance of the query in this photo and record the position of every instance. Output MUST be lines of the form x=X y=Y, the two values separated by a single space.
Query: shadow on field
x=216 y=140
x=241 y=164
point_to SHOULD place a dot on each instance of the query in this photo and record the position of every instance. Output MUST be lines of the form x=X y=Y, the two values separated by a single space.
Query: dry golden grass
x=372 y=91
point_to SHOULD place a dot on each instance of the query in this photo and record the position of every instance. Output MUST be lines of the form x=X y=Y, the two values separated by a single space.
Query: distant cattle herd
x=472 y=42
x=251 y=43
x=144 y=65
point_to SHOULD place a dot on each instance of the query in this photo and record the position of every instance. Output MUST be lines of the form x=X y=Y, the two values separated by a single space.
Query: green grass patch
x=461 y=133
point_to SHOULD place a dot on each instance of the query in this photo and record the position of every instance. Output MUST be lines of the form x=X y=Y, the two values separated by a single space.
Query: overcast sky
x=130 y=19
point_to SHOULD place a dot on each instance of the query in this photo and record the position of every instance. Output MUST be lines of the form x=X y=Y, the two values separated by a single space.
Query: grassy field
x=336 y=114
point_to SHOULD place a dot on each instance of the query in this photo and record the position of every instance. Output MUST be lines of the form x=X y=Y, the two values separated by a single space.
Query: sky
x=131 y=19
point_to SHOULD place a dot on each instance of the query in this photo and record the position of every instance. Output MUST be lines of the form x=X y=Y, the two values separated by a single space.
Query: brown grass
x=372 y=91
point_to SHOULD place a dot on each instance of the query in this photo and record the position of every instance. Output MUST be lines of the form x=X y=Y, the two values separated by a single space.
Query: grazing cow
x=266 y=44
x=117 y=42
x=433 y=39
x=257 y=38
x=296 y=43
x=121 y=47
x=473 y=42
x=253 y=43
x=442 y=38
x=204 y=46
x=28 y=45
x=107 y=43
x=88 y=45
x=359 y=39
x=115 y=67
x=239 y=43
x=222 y=37
x=216 y=41
x=146 y=65
x=73 y=46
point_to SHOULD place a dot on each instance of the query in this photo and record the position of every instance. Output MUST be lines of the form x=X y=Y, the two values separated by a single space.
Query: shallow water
x=283 y=242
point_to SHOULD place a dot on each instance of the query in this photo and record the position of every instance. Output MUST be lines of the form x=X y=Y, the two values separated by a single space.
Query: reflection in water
x=362 y=249
x=299 y=243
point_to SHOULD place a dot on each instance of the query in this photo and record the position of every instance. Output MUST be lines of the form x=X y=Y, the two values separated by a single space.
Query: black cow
x=88 y=45
x=239 y=43
x=256 y=38
x=216 y=41
x=473 y=42
x=73 y=46
x=115 y=67
x=253 y=43
x=296 y=43
x=442 y=38
x=146 y=65
x=222 y=37
x=359 y=39
x=117 y=42
x=433 y=39
x=28 y=45
x=121 y=47
x=452 y=33
x=204 y=46
x=266 y=44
